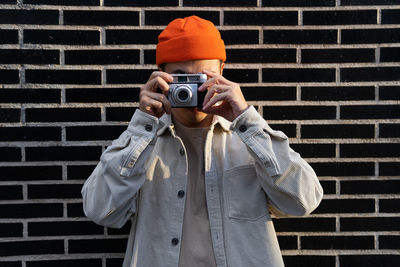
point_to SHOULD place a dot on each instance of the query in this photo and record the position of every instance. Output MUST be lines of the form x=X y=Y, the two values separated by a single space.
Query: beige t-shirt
x=196 y=246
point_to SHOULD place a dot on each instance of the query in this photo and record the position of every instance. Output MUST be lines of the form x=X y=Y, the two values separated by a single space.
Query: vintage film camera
x=183 y=91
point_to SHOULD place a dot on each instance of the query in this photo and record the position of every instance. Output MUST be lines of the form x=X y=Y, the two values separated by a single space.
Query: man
x=199 y=184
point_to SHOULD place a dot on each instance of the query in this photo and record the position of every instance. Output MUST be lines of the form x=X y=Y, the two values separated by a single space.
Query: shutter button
x=175 y=241
x=148 y=127
x=242 y=128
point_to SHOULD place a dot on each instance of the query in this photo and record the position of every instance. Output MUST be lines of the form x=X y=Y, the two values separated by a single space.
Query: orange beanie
x=189 y=38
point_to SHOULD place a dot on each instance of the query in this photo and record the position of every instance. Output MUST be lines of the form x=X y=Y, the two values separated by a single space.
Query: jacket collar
x=165 y=122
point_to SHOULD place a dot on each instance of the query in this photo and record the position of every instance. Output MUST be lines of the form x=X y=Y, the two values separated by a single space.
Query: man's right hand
x=151 y=100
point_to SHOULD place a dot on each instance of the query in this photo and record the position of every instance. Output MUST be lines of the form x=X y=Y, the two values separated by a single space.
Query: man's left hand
x=224 y=98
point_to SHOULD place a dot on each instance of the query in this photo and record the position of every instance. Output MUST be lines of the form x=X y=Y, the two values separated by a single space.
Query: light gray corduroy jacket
x=250 y=170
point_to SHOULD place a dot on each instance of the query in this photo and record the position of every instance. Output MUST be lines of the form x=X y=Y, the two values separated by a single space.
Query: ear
x=222 y=67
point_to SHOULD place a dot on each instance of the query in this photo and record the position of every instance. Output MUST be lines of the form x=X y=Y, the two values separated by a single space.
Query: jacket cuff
x=143 y=123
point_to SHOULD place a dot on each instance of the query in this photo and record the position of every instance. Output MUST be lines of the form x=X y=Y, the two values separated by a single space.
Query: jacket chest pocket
x=245 y=198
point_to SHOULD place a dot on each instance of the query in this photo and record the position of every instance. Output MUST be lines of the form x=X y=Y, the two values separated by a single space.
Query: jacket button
x=242 y=128
x=175 y=241
x=148 y=127
x=182 y=151
x=181 y=193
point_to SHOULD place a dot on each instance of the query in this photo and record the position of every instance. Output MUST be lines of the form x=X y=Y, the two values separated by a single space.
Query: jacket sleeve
x=291 y=185
x=110 y=193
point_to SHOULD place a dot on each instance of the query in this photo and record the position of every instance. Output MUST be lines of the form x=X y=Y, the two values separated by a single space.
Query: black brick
x=34 y=210
x=119 y=114
x=242 y=75
x=132 y=36
x=298 y=75
x=260 y=18
x=29 y=56
x=368 y=2
x=287 y=129
x=299 y=112
x=338 y=131
x=329 y=187
x=369 y=150
x=346 y=206
x=30 y=134
x=86 y=57
x=102 y=95
x=30 y=173
x=391 y=16
x=369 y=260
x=62 y=114
x=79 y=172
x=66 y=263
x=370 y=224
x=300 y=36
x=66 y=153
x=389 y=242
x=63 y=76
x=337 y=93
x=83 y=133
x=370 y=187
x=389 y=130
x=315 y=150
x=67 y=37
x=347 y=17
x=305 y=225
x=370 y=74
x=97 y=246
x=389 y=92
x=117 y=262
x=63 y=2
x=165 y=17
x=261 y=55
x=17 y=248
x=371 y=36
x=128 y=76
x=64 y=228
x=389 y=168
x=101 y=18
x=121 y=231
x=390 y=54
x=11 y=2
x=309 y=261
x=149 y=56
x=231 y=37
x=75 y=210
x=298 y=3
x=11 y=192
x=287 y=242
x=389 y=205
x=10 y=154
x=337 y=242
x=141 y=3
x=56 y=191
x=344 y=168
x=19 y=95
x=370 y=112
x=41 y=17
x=220 y=3
x=8 y=36
x=337 y=55
x=9 y=76
x=10 y=115
x=11 y=229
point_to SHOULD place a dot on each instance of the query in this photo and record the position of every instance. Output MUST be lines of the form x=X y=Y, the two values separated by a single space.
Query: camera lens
x=183 y=95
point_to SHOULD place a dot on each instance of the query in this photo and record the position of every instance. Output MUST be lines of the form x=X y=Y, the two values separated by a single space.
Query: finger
x=165 y=76
x=215 y=89
x=215 y=99
x=157 y=84
x=160 y=98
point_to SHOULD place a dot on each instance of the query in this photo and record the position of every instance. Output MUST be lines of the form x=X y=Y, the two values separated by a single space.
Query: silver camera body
x=183 y=90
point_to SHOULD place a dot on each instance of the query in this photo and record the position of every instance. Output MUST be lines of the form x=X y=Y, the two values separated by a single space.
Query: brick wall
x=326 y=72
